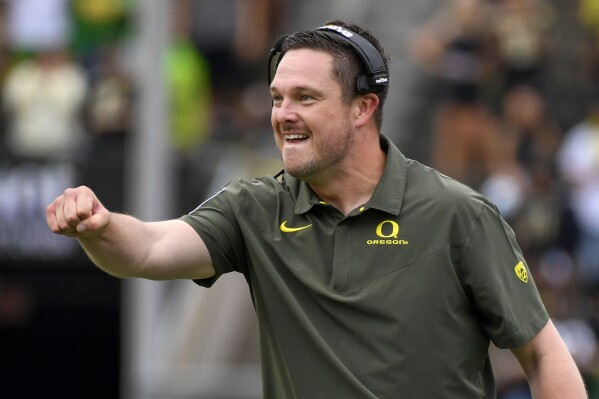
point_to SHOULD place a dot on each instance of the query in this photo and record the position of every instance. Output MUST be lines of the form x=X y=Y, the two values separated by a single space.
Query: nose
x=284 y=112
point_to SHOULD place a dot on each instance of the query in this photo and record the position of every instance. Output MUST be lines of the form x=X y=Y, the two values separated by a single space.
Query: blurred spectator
x=98 y=24
x=37 y=25
x=99 y=34
x=43 y=98
x=252 y=33
x=4 y=66
x=108 y=110
x=528 y=135
x=462 y=141
x=588 y=12
x=3 y=42
x=235 y=35
x=455 y=48
x=43 y=92
x=525 y=148
x=520 y=28
x=188 y=79
x=189 y=96
x=579 y=166
x=189 y=93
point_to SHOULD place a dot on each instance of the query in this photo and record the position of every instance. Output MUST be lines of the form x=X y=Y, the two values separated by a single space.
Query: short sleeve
x=216 y=222
x=500 y=284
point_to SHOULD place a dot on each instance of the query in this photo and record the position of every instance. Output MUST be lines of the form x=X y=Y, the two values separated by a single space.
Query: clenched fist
x=77 y=212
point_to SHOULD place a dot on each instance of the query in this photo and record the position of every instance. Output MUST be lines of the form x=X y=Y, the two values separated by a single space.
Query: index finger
x=51 y=218
x=85 y=206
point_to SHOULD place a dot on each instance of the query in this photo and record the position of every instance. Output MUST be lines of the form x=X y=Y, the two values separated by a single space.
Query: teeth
x=295 y=136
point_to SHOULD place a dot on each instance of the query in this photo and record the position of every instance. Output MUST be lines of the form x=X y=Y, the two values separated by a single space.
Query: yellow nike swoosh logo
x=286 y=229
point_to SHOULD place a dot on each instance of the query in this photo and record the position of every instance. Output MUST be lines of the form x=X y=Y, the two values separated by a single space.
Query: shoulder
x=258 y=190
x=240 y=198
x=424 y=182
x=443 y=200
x=257 y=186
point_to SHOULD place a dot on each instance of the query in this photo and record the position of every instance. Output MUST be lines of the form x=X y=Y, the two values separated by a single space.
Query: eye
x=306 y=98
x=276 y=99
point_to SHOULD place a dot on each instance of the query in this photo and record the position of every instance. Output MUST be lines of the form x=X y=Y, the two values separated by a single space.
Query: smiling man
x=324 y=138
x=372 y=275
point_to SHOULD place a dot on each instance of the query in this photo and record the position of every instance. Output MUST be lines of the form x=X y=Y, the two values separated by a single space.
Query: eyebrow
x=298 y=89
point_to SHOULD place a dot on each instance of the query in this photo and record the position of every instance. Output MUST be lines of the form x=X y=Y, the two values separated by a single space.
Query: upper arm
x=178 y=253
x=549 y=367
x=544 y=343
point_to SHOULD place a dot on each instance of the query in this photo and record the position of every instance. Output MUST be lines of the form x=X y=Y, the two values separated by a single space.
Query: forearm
x=122 y=248
x=127 y=247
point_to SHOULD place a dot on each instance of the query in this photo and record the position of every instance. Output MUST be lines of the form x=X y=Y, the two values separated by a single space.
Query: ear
x=364 y=107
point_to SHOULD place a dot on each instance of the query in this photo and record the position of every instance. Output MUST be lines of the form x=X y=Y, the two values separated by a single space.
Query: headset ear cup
x=275 y=57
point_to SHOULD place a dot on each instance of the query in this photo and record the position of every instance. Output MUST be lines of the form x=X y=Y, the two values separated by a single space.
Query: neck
x=353 y=182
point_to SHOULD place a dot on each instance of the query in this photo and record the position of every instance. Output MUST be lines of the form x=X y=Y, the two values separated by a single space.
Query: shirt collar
x=388 y=194
x=306 y=198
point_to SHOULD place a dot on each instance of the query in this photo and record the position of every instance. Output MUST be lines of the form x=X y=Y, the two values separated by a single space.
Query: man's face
x=312 y=125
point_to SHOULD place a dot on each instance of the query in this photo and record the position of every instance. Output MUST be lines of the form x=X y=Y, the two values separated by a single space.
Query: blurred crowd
x=67 y=101
x=496 y=121
x=495 y=126
x=65 y=106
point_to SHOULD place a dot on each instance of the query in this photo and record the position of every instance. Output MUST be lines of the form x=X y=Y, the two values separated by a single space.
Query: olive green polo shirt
x=399 y=299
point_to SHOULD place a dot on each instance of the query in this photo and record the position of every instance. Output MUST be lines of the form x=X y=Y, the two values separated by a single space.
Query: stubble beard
x=326 y=154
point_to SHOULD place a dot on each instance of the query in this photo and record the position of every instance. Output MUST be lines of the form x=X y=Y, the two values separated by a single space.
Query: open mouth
x=295 y=138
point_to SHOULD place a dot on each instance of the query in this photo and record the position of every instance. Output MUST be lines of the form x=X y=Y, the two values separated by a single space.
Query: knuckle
x=83 y=190
x=72 y=219
x=64 y=226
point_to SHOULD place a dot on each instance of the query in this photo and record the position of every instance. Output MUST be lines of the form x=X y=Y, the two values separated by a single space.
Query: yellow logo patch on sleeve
x=521 y=271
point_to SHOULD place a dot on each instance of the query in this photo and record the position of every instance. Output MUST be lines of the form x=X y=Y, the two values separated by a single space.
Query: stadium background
x=156 y=104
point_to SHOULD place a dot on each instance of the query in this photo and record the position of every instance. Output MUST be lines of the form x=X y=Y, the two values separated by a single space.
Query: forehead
x=305 y=67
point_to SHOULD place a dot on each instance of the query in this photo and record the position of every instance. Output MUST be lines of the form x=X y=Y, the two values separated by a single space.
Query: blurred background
x=155 y=105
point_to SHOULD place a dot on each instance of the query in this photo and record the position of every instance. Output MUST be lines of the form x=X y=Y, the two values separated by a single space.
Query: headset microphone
x=374 y=80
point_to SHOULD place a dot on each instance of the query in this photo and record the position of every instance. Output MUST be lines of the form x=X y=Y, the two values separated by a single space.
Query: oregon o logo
x=394 y=229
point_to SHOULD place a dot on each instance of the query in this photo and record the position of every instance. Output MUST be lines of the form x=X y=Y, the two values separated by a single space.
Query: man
x=372 y=276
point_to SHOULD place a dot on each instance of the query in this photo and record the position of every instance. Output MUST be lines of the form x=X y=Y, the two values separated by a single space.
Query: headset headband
x=376 y=78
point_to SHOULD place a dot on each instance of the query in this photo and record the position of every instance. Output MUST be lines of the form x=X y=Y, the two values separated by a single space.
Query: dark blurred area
x=503 y=95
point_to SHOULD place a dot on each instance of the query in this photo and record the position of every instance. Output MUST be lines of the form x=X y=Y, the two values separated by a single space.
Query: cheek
x=273 y=118
x=275 y=128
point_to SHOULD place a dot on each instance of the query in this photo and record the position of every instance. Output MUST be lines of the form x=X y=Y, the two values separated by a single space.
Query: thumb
x=95 y=223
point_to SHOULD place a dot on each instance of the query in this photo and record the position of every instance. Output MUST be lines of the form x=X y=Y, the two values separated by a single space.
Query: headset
x=374 y=80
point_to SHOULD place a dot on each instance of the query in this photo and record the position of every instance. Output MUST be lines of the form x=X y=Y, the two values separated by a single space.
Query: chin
x=303 y=172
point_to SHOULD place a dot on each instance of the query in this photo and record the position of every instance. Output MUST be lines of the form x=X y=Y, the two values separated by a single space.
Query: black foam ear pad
x=275 y=57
